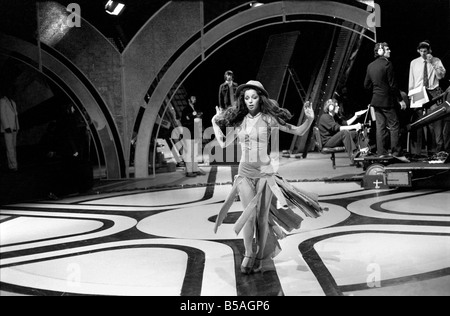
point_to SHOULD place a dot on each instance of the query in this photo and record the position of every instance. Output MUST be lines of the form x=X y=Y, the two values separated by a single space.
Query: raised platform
x=418 y=174
x=396 y=172
x=369 y=161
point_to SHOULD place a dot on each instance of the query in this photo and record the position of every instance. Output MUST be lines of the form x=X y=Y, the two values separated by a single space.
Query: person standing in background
x=380 y=79
x=427 y=71
x=227 y=91
x=191 y=120
x=9 y=126
x=446 y=128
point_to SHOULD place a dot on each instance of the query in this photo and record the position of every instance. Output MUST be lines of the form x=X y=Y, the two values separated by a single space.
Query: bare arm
x=356 y=127
x=304 y=128
x=223 y=140
x=440 y=69
x=352 y=120
x=356 y=116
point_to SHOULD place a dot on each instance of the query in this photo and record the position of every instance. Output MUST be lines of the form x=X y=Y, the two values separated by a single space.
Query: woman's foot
x=200 y=173
x=258 y=265
x=247 y=265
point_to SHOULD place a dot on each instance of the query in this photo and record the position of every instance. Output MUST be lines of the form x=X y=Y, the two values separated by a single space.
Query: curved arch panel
x=158 y=42
x=269 y=14
x=79 y=92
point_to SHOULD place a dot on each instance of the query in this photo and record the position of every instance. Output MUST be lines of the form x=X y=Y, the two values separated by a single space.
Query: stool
x=327 y=150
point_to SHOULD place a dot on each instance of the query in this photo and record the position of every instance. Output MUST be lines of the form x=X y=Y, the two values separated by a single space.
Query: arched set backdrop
x=113 y=86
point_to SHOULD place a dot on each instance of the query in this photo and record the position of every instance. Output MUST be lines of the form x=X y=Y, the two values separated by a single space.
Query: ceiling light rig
x=114 y=7
x=256 y=4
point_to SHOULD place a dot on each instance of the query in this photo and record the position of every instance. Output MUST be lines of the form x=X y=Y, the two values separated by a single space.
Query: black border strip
x=378 y=206
x=325 y=278
x=399 y=281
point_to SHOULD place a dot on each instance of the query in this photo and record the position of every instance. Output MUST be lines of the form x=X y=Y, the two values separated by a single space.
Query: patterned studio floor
x=162 y=243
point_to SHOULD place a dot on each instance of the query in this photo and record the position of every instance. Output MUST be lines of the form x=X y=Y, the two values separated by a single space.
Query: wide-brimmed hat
x=253 y=85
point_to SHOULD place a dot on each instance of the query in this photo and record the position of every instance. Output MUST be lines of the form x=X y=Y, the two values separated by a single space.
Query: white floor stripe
x=121 y=223
x=149 y=201
x=437 y=203
x=80 y=274
x=374 y=257
x=295 y=275
x=28 y=229
x=193 y=223
x=405 y=205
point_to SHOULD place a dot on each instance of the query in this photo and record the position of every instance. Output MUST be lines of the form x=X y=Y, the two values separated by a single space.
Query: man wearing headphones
x=386 y=98
x=336 y=132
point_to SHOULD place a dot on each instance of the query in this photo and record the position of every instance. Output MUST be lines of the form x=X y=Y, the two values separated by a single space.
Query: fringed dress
x=258 y=168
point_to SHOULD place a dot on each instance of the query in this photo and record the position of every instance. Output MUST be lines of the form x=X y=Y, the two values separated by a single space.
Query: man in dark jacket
x=227 y=91
x=386 y=97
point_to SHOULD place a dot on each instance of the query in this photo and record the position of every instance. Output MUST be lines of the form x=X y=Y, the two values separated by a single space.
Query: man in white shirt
x=9 y=126
x=426 y=71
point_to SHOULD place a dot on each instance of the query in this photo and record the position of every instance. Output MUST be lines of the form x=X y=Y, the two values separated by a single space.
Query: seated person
x=336 y=132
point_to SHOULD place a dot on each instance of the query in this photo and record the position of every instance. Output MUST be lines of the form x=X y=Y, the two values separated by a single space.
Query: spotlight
x=256 y=4
x=114 y=7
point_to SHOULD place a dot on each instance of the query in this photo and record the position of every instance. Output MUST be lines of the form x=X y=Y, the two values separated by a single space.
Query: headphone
x=330 y=105
x=425 y=44
x=380 y=49
x=381 y=52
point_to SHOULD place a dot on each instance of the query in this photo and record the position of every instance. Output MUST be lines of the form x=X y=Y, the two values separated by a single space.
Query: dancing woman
x=269 y=201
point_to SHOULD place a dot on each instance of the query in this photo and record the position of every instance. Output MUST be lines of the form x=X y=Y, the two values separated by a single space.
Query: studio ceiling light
x=256 y=4
x=114 y=7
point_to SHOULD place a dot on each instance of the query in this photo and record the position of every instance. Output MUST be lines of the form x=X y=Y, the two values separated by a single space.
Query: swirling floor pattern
x=161 y=243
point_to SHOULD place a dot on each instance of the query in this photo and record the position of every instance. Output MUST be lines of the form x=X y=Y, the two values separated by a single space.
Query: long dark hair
x=235 y=115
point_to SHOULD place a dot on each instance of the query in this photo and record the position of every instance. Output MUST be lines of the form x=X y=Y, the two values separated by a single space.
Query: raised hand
x=361 y=113
x=309 y=111
x=218 y=112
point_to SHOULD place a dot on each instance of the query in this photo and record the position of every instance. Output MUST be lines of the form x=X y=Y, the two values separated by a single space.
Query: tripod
x=363 y=135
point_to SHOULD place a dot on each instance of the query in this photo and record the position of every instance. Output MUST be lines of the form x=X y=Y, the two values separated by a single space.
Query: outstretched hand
x=403 y=105
x=218 y=112
x=361 y=113
x=309 y=111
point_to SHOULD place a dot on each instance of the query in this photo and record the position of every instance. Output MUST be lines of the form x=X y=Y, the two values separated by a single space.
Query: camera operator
x=336 y=132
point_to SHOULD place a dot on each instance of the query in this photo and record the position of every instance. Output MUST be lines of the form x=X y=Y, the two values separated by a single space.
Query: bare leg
x=263 y=223
x=188 y=152
x=247 y=192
